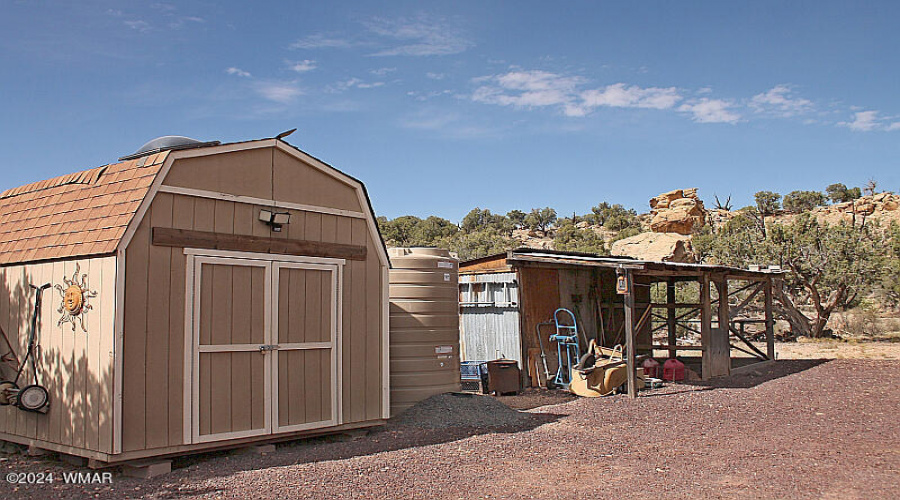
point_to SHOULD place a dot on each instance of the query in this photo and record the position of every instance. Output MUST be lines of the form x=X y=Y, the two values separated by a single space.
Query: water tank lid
x=168 y=143
x=419 y=251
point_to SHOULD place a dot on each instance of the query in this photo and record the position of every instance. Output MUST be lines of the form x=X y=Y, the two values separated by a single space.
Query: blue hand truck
x=568 y=348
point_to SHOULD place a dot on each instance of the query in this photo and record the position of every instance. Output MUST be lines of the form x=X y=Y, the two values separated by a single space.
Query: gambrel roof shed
x=226 y=294
x=88 y=212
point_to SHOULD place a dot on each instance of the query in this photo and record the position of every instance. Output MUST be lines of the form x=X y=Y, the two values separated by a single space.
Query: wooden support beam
x=756 y=352
x=770 y=319
x=739 y=290
x=620 y=305
x=670 y=273
x=745 y=351
x=743 y=277
x=629 y=335
x=185 y=238
x=661 y=347
x=683 y=315
x=677 y=305
x=643 y=320
x=720 y=347
x=705 y=325
x=671 y=320
x=745 y=287
x=744 y=303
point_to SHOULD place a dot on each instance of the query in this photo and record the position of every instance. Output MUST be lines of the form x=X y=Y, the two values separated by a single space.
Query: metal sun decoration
x=74 y=299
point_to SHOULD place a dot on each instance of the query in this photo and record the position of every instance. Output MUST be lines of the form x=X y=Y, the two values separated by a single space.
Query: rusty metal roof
x=75 y=215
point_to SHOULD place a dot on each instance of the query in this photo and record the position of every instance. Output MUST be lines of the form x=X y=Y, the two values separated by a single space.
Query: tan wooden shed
x=231 y=294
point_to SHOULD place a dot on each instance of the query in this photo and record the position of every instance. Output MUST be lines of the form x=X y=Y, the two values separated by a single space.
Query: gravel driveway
x=798 y=429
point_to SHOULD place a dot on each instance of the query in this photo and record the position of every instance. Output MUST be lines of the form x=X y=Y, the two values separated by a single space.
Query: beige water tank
x=424 y=296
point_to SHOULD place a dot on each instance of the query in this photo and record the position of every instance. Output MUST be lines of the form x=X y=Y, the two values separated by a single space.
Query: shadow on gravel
x=437 y=420
x=761 y=375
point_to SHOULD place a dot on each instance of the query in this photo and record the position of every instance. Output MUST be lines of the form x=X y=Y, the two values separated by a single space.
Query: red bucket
x=673 y=370
x=651 y=367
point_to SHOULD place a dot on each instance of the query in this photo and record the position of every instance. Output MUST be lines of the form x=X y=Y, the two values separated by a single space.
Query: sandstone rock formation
x=533 y=239
x=882 y=207
x=680 y=211
x=666 y=247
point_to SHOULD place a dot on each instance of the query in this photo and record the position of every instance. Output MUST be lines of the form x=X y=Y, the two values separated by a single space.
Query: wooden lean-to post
x=671 y=319
x=629 y=335
x=705 y=326
x=721 y=354
x=770 y=320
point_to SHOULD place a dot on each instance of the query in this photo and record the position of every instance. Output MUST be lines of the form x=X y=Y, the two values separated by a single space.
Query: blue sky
x=443 y=106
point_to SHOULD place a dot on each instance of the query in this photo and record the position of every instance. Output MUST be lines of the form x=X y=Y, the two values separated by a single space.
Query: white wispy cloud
x=528 y=89
x=322 y=41
x=779 y=101
x=354 y=82
x=419 y=36
x=281 y=92
x=435 y=76
x=567 y=94
x=238 y=72
x=424 y=96
x=625 y=96
x=302 y=66
x=162 y=16
x=382 y=71
x=707 y=110
x=541 y=88
x=181 y=21
x=864 y=121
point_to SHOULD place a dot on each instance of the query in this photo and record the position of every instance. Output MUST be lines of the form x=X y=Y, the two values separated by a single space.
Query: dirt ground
x=838 y=349
x=801 y=428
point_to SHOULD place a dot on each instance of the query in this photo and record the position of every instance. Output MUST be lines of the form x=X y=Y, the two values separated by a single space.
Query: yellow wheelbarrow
x=596 y=376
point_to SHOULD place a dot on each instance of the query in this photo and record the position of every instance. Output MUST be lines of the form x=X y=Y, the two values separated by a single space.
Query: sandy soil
x=837 y=349
x=796 y=429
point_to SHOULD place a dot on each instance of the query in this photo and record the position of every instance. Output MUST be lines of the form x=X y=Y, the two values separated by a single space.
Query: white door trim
x=272 y=263
x=195 y=266
x=267 y=257
x=332 y=345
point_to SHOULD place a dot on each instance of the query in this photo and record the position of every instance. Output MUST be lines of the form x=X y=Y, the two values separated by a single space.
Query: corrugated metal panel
x=488 y=278
x=489 y=317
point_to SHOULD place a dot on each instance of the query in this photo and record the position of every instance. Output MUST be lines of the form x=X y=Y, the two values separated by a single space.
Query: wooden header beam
x=185 y=238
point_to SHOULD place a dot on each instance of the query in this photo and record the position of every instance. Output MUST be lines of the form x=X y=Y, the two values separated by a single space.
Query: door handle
x=268 y=347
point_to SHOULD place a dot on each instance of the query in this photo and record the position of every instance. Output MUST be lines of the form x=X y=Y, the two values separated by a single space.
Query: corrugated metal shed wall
x=489 y=317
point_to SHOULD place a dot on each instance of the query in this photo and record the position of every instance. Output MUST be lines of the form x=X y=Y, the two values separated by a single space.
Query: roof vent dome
x=167 y=143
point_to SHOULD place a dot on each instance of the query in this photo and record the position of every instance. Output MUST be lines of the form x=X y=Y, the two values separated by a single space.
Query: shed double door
x=265 y=352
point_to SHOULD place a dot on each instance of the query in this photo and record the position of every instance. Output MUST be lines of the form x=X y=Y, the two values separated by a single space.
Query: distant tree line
x=829 y=267
x=769 y=203
x=482 y=232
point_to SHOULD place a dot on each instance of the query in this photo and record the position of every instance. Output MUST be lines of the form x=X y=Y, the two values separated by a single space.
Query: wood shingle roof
x=75 y=215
